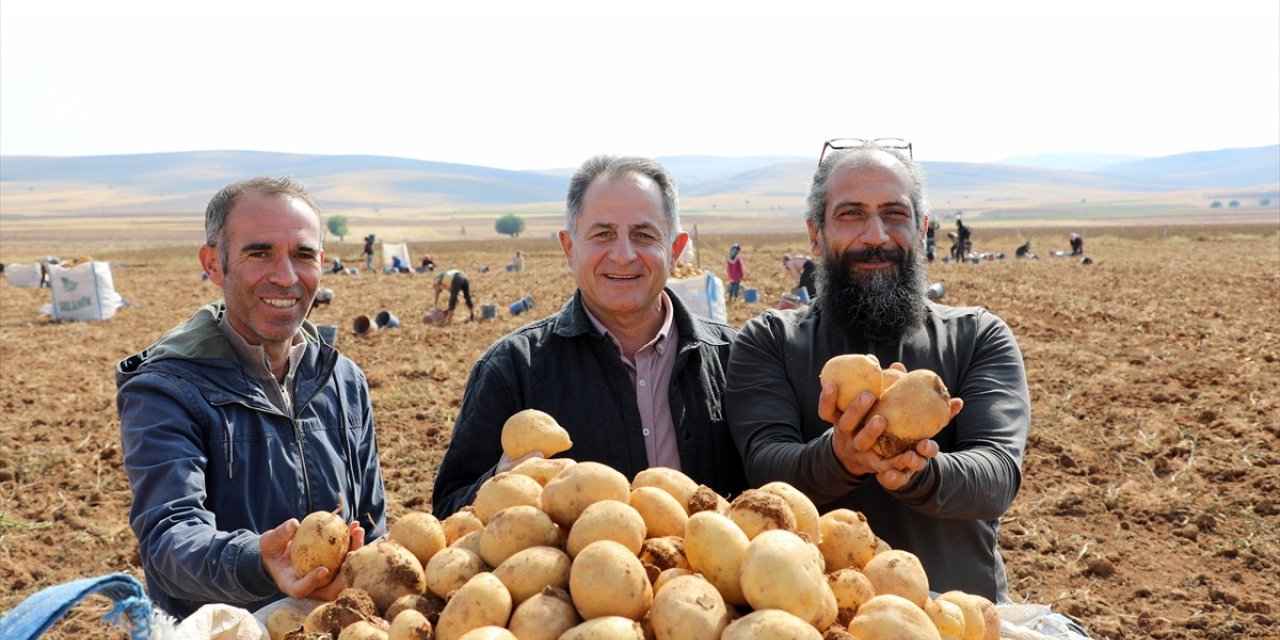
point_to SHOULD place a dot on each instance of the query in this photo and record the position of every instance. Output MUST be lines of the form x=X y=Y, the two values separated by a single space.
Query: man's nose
x=283 y=271
x=623 y=250
x=874 y=233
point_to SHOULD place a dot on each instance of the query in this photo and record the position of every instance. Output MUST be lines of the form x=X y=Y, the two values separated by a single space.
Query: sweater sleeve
x=476 y=445
x=979 y=472
x=765 y=419
x=179 y=542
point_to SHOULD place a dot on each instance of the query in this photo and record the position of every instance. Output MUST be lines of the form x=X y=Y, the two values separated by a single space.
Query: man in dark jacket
x=239 y=422
x=635 y=378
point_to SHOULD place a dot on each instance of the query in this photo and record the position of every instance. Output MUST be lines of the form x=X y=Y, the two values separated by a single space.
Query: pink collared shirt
x=651 y=377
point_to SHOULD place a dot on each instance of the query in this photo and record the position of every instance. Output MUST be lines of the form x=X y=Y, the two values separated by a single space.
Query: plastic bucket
x=936 y=291
x=328 y=333
x=751 y=295
x=802 y=293
x=789 y=301
x=362 y=325
x=488 y=311
x=386 y=320
x=520 y=306
x=434 y=317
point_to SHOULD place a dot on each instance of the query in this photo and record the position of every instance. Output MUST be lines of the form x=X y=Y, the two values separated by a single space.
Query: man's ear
x=566 y=243
x=813 y=235
x=211 y=261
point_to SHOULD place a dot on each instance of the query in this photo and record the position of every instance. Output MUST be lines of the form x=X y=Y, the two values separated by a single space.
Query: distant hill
x=1223 y=168
x=1069 y=161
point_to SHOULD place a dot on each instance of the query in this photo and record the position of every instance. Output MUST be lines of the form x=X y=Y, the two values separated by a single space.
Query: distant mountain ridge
x=182 y=182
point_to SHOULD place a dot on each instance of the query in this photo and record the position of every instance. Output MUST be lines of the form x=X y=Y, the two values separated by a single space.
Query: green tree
x=1217 y=204
x=338 y=226
x=1233 y=203
x=510 y=224
x=1266 y=201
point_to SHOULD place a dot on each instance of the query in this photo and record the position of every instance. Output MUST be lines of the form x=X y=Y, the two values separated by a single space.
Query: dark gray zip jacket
x=212 y=463
x=564 y=366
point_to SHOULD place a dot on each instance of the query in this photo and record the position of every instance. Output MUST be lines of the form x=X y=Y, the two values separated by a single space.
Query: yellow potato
x=488 y=633
x=714 y=546
x=606 y=628
x=889 y=616
x=676 y=483
x=607 y=580
x=770 y=624
x=460 y=523
x=532 y=430
x=851 y=590
x=899 y=573
x=947 y=618
x=483 y=601
x=420 y=533
x=666 y=552
x=706 y=499
x=529 y=571
x=428 y=605
x=386 y=570
x=756 y=511
x=847 y=540
x=544 y=616
x=514 y=529
x=284 y=620
x=451 y=568
x=581 y=485
x=915 y=408
x=890 y=377
x=363 y=630
x=543 y=469
x=410 y=624
x=780 y=571
x=688 y=608
x=662 y=513
x=853 y=373
x=802 y=508
x=506 y=490
x=981 y=618
x=322 y=540
x=607 y=520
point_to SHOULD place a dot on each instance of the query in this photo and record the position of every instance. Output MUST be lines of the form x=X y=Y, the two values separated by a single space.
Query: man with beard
x=867 y=216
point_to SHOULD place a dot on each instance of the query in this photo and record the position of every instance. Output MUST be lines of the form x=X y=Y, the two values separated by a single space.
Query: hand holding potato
x=320 y=582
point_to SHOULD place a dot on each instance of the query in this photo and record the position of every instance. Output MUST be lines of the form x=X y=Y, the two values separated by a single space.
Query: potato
x=981 y=618
x=890 y=377
x=284 y=620
x=846 y=540
x=581 y=485
x=915 y=408
x=363 y=630
x=851 y=589
x=532 y=430
x=452 y=568
x=675 y=483
x=460 y=523
x=688 y=608
x=322 y=540
x=488 y=633
x=770 y=624
x=483 y=601
x=606 y=628
x=514 y=529
x=853 y=373
x=386 y=570
x=410 y=624
x=663 y=514
x=544 y=616
x=543 y=469
x=330 y=618
x=667 y=575
x=470 y=542
x=506 y=490
x=899 y=573
x=529 y=571
x=607 y=580
x=714 y=546
x=802 y=508
x=780 y=571
x=607 y=520
x=664 y=553
x=890 y=617
x=755 y=511
x=420 y=533
x=428 y=604
x=947 y=618
x=705 y=499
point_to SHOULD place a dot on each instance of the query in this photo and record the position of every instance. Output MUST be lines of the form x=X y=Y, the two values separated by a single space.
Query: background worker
x=455 y=282
x=734 y=271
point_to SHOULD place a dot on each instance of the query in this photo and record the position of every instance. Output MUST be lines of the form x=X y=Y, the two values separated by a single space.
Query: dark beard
x=882 y=306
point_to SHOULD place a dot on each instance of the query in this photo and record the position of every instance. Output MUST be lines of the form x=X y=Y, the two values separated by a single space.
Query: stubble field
x=1150 y=506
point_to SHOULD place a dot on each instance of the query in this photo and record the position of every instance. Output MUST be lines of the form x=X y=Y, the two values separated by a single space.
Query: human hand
x=276 y=546
x=507 y=464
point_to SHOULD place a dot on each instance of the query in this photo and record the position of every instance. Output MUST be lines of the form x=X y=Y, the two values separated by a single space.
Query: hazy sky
x=539 y=84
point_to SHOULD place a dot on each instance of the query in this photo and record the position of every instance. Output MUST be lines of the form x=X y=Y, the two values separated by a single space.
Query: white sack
x=83 y=292
x=23 y=275
x=703 y=294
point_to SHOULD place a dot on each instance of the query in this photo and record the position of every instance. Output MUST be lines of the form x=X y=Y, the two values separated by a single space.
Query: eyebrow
x=859 y=203
x=267 y=246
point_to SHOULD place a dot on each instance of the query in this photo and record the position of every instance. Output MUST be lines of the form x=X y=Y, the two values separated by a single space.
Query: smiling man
x=636 y=379
x=239 y=422
x=867 y=218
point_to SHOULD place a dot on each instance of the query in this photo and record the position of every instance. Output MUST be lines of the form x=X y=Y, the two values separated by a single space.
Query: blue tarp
x=35 y=615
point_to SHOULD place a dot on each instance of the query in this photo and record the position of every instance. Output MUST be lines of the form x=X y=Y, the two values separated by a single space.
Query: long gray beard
x=882 y=306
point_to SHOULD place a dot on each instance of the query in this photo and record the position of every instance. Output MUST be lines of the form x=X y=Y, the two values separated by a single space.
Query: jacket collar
x=572 y=321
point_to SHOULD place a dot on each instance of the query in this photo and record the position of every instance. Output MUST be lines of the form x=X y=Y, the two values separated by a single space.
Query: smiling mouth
x=613 y=277
x=281 y=303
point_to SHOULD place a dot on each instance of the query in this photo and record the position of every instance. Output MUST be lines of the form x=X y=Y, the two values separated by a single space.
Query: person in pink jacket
x=734 y=267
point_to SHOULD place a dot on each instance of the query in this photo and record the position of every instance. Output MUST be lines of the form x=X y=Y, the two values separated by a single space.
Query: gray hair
x=215 y=215
x=611 y=167
x=862 y=156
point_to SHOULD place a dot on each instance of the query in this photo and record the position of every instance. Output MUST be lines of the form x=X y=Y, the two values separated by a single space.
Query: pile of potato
x=685 y=270
x=558 y=549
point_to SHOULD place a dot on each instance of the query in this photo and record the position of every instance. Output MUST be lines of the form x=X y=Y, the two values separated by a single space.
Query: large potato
x=488 y=633
x=890 y=617
x=676 y=483
x=608 y=580
x=802 y=508
x=899 y=573
x=755 y=511
x=429 y=605
x=714 y=546
x=543 y=469
x=460 y=523
x=607 y=520
x=851 y=589
x=506 y=490
x=283 y=620
x=514 y=529
x=664 y=553
x=363 y=630
x=410 y=624
x=947 y=618
x=846 y=539
x=663 y=514
x=981 y=618
x=915 y=408
x=688 y=608
x=782 y=571
x=704 y=498
x=322 y=540
x=544 y=616
x=420 y=533
x=532 y=430
x=451 y=568
x=529 y=571
x=386 y=570
x=606 y=628
x=483 y=601
x=580 y=486
x=770 y=624
x=853 y=374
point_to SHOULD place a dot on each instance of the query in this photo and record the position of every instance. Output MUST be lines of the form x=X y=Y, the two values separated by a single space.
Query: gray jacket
x=212 y=463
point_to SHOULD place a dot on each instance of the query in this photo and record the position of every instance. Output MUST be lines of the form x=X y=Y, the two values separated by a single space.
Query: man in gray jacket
x=239 y=421
x=942 y=501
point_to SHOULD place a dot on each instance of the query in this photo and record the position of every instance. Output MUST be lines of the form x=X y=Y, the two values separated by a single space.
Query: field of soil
x=1151 y=501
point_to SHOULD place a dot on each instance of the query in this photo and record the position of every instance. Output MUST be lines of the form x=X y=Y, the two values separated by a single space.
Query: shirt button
x=643 y=384
x=646 y=433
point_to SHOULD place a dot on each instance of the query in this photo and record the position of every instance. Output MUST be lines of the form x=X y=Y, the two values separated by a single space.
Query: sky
x=545 y=84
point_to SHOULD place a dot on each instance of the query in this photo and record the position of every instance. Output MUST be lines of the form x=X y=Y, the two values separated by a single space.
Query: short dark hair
x=863 y=155
x=615 y=167
x=215 y=215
